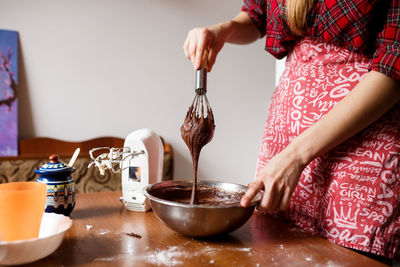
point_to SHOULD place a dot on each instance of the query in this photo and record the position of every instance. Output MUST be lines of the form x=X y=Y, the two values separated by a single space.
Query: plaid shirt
x=370 y=27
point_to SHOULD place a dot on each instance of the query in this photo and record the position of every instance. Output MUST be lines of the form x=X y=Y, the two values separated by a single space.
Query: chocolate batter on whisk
x=198 y=128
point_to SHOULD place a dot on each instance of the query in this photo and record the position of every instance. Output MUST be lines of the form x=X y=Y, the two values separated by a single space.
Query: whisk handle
x=201 y=75
x=201 y=81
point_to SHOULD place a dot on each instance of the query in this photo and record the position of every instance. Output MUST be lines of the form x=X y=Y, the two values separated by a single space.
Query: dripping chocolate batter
x=197 y=130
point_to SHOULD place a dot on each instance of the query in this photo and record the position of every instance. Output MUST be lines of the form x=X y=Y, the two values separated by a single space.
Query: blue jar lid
x=54 y=166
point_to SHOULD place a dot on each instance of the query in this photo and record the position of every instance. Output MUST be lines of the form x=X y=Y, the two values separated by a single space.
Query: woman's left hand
x=278 y=179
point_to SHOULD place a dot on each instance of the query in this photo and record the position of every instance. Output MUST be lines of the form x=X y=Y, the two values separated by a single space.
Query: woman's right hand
x=198 y=40
x=239 y=30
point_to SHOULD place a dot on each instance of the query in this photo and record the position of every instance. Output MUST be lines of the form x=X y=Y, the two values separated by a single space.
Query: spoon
x=74 y=156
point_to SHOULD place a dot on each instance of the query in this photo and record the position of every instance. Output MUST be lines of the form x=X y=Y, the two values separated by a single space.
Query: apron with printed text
x=349 y=196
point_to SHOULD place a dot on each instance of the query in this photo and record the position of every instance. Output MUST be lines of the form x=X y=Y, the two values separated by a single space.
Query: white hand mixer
x=140 y=161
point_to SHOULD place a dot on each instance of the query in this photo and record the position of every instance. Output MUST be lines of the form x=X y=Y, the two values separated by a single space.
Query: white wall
x=279 y=68
x=93 y=68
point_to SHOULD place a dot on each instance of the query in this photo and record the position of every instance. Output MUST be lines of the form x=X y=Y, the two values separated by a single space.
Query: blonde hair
x=297 y=14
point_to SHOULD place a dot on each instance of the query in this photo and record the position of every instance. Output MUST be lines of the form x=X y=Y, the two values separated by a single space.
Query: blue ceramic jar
x=60 y=186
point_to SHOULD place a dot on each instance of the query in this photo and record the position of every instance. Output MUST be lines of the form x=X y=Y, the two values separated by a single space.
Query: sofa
x=35 y=152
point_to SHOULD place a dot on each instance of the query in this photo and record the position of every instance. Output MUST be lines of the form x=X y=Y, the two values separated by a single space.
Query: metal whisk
x=202 y=118
x=200 y=100
x=198 y=127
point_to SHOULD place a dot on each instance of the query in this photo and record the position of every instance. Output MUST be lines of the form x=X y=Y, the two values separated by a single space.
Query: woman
x=330 y=152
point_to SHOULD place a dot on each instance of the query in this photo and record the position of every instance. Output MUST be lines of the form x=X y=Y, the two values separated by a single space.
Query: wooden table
x=100 y=236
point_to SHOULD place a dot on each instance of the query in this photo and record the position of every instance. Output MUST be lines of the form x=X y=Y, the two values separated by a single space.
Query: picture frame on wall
x=8 y=93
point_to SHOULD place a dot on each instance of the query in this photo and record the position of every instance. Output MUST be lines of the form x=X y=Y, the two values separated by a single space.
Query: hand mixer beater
x=198 y=128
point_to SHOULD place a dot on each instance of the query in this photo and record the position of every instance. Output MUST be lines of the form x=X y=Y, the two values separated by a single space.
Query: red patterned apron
x=349 y=196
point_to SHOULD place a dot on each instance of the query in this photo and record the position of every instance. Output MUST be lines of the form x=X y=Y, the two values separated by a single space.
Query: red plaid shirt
x=370 y=27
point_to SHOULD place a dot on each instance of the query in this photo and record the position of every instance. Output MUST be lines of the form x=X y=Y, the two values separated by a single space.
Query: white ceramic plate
x=52 y=231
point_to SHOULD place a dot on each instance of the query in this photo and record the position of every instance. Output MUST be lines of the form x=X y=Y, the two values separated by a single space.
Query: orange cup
x=22 y=205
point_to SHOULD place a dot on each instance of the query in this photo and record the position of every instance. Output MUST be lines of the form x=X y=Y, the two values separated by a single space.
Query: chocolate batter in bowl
x=206 y=195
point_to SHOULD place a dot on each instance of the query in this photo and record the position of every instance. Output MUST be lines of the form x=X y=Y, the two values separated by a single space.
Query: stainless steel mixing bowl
x=199 y=220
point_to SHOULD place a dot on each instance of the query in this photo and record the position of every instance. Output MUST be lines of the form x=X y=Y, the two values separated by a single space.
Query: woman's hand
x=278 y=179
x=239 y=30
x=211 y=38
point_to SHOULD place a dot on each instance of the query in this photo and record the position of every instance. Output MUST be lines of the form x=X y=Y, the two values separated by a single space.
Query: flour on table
x=175 y=255
x=103 y=232
x=104 y=259
x=243 y=249
x=169 y=257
